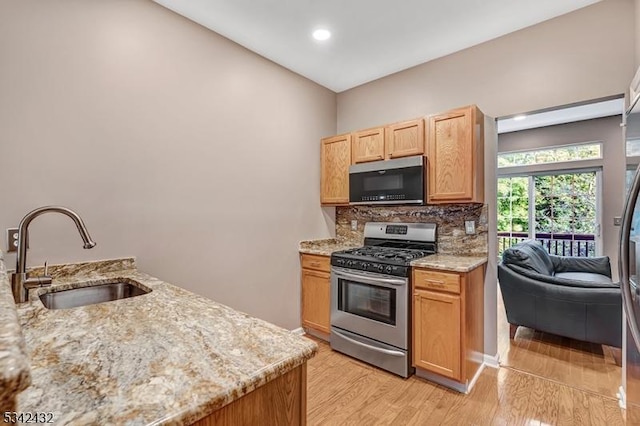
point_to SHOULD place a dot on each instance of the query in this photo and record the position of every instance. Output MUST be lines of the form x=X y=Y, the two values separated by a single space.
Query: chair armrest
x=594 y=265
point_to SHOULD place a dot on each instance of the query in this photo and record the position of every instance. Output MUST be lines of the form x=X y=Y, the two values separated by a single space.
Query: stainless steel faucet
x=20 y=283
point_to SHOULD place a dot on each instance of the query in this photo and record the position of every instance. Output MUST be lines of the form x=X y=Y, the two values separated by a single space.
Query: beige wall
x=580 y=56
x=608 y=131
x=176 y=146
x=637 y=32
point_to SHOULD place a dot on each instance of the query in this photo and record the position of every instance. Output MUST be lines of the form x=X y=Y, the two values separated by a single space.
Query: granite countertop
x=166 y=357
x=327 y=246
x=14 y=363
x=452 y=263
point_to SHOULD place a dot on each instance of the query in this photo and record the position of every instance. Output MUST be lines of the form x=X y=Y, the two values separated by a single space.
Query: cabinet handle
x=316 y=264
x=436 y=283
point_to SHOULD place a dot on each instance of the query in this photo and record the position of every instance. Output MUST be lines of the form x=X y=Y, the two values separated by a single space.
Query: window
x=558 y=210
x=586 y=151
x=633 y=147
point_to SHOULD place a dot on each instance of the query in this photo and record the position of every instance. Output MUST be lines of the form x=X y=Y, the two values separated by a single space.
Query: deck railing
x=583 y=245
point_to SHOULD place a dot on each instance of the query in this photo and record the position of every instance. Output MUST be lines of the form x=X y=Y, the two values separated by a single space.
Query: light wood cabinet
x=437 y=333
x=368 y=145
x=405 y=139
x=448 y=322
x=335 y=158
x=455 y=157
x=283 y=401
x=316 y=293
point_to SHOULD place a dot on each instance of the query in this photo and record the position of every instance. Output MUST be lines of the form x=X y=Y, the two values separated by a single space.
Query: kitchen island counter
x=166 y=357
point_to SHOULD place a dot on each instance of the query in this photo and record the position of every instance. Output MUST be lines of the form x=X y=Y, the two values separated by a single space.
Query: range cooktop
x=389 y=248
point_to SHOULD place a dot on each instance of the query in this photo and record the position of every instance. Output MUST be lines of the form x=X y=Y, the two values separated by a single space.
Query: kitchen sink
x=92 y=295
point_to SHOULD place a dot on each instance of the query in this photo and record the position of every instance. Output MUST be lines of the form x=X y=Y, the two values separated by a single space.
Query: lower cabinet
x=448 y=322
x=316 y=293
x=437 y=333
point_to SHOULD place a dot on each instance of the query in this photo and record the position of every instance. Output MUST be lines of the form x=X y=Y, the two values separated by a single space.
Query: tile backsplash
x=450 y=219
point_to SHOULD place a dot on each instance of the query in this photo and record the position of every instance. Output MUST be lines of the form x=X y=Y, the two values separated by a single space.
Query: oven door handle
x=340 y=273
x=373 y=348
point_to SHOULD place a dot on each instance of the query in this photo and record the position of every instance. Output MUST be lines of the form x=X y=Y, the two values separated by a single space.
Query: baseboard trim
x=473 y=381
x=451 y=384
x=311 y=332
x=492 y=361
x=622 y=398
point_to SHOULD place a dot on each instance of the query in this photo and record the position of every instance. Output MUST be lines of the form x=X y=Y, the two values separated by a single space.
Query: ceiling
x=370 y=38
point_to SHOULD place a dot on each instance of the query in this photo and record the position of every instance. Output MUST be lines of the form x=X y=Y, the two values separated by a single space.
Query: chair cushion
x=529 y=254
x=585 y=276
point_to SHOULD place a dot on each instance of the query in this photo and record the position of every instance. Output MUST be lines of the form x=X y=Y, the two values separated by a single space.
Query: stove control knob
x=388 y=269
x=350 y=263
x=381 y=268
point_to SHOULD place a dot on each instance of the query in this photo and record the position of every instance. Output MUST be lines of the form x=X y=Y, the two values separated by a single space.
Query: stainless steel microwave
x=399 y=181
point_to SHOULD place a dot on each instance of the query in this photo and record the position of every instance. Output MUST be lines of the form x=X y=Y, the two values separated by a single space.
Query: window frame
x=555 y=165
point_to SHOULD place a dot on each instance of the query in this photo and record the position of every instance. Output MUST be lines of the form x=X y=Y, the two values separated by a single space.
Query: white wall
x=174 y=144
x=587 y=54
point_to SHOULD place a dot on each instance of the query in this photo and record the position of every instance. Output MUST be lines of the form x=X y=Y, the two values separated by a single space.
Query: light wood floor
x=578 y=364
x=342 y=390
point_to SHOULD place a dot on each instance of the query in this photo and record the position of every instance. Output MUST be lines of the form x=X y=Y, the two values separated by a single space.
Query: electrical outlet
x=617 y=221
x=470 y=227
x=354 y=225
x=12 y=239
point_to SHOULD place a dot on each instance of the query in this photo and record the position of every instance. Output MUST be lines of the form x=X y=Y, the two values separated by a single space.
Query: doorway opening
x=552 y=187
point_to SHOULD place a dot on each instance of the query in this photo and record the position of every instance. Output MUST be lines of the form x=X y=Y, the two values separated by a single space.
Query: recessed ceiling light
x=321 y=34
x=519 y=117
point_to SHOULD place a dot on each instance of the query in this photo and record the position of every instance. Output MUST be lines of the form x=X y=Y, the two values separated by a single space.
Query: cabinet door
x=368 y=145
x=450 y=154
x=316 y=305
x=405 y=139
x=335 y=159
x=436 y=332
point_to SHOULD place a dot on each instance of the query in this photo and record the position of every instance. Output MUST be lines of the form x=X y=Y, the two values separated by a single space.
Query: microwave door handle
x=623 y=258
x=367 y=279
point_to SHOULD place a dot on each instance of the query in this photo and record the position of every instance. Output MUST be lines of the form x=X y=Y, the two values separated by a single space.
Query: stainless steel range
x=370 y=294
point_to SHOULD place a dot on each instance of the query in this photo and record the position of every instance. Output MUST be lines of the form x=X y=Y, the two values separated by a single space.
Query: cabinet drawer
x=433 y=280
x=313 y=261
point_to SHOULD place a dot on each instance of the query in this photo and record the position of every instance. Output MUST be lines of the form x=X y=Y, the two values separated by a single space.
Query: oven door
x=371 y=305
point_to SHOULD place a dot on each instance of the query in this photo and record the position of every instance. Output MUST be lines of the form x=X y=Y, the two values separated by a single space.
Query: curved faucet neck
x=23 y=233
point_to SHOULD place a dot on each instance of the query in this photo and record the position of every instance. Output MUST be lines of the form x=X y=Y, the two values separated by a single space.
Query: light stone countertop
x=451 y=263
x=14 y=363
x=327 y=246
x=167 y=357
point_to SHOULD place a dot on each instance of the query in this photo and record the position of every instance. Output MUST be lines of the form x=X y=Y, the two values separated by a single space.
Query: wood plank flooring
x=544 y=380
x=581 y=365
x=345 y=391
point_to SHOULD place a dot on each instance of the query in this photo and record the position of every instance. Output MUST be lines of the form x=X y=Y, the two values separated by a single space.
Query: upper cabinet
x=455 y=156
x=368 y=145
x=397 y=140
x=453 y=143
x=405 y=139
x=335 y=158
